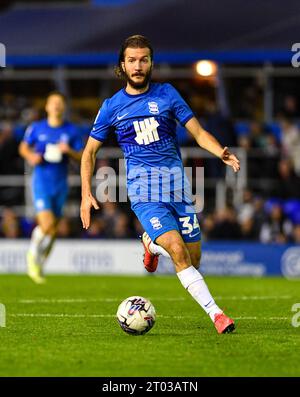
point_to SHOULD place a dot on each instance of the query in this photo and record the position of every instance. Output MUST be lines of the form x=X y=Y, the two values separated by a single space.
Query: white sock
x=44 y=247
x=39 y=243
x=193 y=281
x=158 y=250
x=47 y=250
x=36 y=237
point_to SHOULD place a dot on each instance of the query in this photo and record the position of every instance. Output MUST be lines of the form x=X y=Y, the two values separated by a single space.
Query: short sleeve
x=102 y=126
x=179 y=107
x=30 y=135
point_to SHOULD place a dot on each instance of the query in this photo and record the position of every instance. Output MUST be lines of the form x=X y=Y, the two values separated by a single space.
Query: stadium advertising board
x=105 y=257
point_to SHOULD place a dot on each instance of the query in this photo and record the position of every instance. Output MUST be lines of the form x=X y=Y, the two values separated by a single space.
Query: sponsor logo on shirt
x=146 y=131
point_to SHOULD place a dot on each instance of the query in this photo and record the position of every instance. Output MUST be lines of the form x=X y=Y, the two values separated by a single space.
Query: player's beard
x=141 y=84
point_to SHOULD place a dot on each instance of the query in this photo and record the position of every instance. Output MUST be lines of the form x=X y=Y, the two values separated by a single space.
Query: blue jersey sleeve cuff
x=100 y=139
x=186 y=119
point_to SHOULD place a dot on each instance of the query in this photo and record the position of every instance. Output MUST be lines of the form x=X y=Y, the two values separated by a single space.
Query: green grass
x=183 y=341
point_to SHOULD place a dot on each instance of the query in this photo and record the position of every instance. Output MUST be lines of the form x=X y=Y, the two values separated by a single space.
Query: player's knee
x=49 y=228
x=179 y=254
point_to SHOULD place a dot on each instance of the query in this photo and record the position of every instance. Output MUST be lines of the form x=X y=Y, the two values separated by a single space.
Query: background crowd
x=270 y=211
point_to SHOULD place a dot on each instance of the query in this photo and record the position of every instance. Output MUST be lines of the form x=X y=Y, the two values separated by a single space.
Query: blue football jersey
x=50 y=176
x=145 y=125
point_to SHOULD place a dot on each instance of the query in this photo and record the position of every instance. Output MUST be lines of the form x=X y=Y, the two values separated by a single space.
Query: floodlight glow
x=206 y=68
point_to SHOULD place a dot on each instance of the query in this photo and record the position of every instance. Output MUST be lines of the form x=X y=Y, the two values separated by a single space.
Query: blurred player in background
x=47 y=146
x=143 y=115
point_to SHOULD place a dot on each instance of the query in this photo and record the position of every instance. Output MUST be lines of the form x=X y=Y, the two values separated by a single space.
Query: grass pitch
x=68 y=328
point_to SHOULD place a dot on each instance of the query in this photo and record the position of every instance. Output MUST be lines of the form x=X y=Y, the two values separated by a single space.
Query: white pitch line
x=66 y=315
x=61 y=315
x=83 y=300
x=253 y=297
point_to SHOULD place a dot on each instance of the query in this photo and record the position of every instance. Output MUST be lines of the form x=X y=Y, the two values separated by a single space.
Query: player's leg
x=190 y=277
x=48 y=208
x=57 y=204
x=155 y=249
x=194 y=249
x=187 y=271
x=155 y=219
x=41 y=239
x=172 y=242
x=167 y=231
x=47 y=222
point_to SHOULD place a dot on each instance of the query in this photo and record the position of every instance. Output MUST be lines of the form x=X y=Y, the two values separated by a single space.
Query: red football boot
x=150 y=260
x=223 y=324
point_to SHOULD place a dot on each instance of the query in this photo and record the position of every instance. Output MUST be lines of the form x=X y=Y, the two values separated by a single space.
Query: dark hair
x=58 y=93
x=136 y=41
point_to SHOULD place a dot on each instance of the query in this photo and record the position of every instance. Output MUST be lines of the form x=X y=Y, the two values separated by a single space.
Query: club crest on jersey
x=155 y=222
x=153 y=107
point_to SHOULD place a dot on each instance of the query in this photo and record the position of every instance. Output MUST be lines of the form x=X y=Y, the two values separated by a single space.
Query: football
x=136 y=315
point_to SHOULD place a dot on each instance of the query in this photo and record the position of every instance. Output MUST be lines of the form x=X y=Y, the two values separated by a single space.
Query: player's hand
x=64 y=147
x=35 y=159
x=85 y=209
x=230 y=159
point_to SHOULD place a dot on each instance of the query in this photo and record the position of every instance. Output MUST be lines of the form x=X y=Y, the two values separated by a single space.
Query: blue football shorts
x=45 y=201
x=159 y=217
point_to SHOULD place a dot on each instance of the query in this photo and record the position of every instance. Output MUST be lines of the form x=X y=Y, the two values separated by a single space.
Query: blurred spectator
x=96 y=230
x=259 y=215
x=226 y=226
x=291 y=142
x=207 y=226
x=247 y=229
x=290 y=106
x=121 y=227
x=250 y=102
x=222 y=128
x=276 y=229
x=244 y=142
x=109 y=214
x=289 y=182
x=10 y=227
x=64 y=229
x=8 y=109
x=10 y=162
x=296 y=235
x=271 y=157
x=253 y=166
x=246 y=210
x=257 y=136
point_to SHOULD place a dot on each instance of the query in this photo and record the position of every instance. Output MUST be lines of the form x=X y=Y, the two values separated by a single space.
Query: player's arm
x=87 y=169
x=29 y=154
x=66 y=149
x=209 y=143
